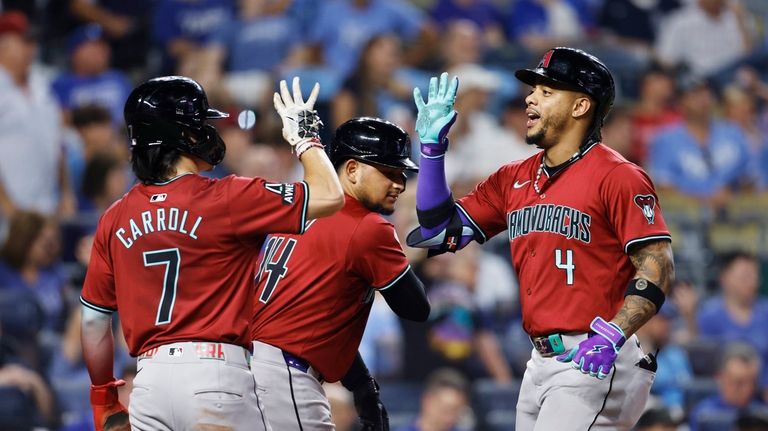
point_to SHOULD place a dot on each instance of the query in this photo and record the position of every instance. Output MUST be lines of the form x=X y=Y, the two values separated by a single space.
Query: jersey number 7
x=171 y=258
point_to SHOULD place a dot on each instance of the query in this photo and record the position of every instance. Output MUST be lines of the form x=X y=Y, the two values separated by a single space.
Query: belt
x=301 y=365
x=197 y=350
x=548 y=345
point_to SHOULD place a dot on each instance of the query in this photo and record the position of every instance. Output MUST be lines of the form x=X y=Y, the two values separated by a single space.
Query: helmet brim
x=404 y=163
x=532 y=76
x=215 y=113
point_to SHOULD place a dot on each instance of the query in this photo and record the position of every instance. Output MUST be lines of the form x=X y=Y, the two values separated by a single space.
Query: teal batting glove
x=435 y=118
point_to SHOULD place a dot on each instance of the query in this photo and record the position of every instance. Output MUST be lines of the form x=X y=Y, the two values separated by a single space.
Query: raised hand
x=436 y=116
x=301 y=123
x=595 y=355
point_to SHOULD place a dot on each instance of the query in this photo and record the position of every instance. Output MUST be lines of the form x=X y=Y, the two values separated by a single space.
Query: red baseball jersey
x=315 y=290
x=176 y=260
x=569 y=244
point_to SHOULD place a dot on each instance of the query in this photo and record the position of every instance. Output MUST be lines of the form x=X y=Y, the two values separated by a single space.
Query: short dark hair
x=96 y=172
x=23 y=229
x=90 y=114
x=447 y=378
x=154 y=164
x=727 y=260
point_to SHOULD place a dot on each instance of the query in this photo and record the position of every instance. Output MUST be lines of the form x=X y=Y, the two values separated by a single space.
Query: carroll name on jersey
x=559 y=219
x=162 y=219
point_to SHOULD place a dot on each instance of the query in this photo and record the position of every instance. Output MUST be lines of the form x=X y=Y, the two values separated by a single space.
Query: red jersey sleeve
x=632 y=206
x=485 y=205
x=257 y=207
x=99 y=287
x=375 y=253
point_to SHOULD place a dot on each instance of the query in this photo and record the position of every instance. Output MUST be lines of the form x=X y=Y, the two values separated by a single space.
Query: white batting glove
x=301 y=124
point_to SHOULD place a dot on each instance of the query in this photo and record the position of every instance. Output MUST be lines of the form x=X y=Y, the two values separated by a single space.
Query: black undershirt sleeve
x=407 y=298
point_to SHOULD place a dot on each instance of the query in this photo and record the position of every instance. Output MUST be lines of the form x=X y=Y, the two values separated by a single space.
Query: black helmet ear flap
x=205 y=144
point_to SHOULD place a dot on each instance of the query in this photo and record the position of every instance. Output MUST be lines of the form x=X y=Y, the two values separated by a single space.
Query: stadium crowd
x=692 y=109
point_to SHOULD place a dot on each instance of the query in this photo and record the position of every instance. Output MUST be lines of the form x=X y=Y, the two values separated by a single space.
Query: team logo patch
x=159 y=197
x=286 y=191
x=647 y=204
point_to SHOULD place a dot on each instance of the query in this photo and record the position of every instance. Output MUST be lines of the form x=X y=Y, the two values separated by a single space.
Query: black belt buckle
x=548 y=345
x=296 y=362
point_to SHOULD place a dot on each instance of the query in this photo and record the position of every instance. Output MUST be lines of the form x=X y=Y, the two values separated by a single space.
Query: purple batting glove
x=595 y=355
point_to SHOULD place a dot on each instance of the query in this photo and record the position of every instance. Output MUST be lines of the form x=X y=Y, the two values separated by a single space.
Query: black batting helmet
x=576 y=68
x=172 y=111
x=371 y=140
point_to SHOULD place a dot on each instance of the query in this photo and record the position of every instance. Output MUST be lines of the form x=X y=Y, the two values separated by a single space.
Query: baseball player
x=315 y=290
x=175 y=257
x=588 y=242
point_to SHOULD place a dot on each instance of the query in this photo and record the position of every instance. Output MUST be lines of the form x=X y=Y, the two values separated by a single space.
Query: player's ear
x=581 y=106
x=352 y=170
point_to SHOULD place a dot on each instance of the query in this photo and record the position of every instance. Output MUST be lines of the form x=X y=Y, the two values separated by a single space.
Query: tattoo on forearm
x=654 y=263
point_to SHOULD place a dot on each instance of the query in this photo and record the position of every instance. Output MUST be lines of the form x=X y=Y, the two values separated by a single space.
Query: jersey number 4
x=568 y=265
x=275 y=264
x=171 y=258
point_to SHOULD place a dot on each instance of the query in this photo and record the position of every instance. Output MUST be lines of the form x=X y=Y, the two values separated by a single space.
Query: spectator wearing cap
x=674 y=369
x=32 y=170
x=736 y=386
x=701 y=157
x=90 y=81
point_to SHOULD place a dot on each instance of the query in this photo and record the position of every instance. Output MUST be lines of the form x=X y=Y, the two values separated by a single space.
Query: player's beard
x=375 y=206
x=539 y=139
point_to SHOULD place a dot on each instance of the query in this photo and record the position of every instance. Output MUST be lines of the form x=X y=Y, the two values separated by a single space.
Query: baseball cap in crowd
x=83 y=34
x=14 y=22
x=475 y=77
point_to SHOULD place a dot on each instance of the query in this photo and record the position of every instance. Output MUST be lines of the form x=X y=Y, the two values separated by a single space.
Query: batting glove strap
x=306 y=144
x=106 y=394
x=610 y=331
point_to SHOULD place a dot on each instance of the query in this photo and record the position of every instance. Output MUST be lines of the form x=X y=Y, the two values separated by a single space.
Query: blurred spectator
x=342 y=29
x=653 y=111
x=737 y=313
x=618 y=130
x=462 y=44
x=444 y=401
x=740 y=107
x=459 y=332
x=41 y=401
x=631 y=24
x=181 y=27
x=483 y=13
x=127 y=27
x=30 y=129
x=373 y=90
x=28 y=261
x=104 y=182
x=704 y=37
x=93 y=133
x=736 y=381
x=382 y=343
x=701 y=157
x=89 y=80
x=656 y=419
x=252 y=46
x=674 y=369
x=343 y=411
x=540 y=25
x=478 y=142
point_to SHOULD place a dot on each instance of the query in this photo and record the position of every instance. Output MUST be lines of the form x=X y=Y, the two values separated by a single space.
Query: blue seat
x=716 y=421
x=703 y=355
x=498 y=420
x=495 y=404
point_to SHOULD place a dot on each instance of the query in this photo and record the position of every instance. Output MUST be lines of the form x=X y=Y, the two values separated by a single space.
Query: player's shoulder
x=374 y=228
x=514 y=169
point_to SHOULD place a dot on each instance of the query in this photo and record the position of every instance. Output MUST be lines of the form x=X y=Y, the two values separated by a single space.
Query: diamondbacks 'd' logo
x=546 y=59
x=286 y=191
x=647 y=204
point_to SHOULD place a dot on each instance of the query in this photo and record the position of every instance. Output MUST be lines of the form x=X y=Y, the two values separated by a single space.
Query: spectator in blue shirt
x=736 y=382
x=90 y=81
x=541 y=24
x=343 y=27
x=443 y=403
x=702 y=156
x=182 y=27
x=737 y=313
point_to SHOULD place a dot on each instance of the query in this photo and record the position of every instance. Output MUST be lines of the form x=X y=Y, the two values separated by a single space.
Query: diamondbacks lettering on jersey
x=559 y=219
x=162 y=219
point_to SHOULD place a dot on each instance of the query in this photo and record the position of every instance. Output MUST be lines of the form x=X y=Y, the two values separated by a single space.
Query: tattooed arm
x=653 y=261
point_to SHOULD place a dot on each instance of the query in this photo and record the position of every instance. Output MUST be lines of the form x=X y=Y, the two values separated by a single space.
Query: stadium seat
x=698 y=389
x=499 y=420
x=495 y=403
x=402 y=398
x=729 y=237
x=703 y=355
x=716 y=421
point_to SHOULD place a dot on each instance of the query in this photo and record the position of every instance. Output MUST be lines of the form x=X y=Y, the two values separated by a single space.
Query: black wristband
x=433 y=217
x=648 y=290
